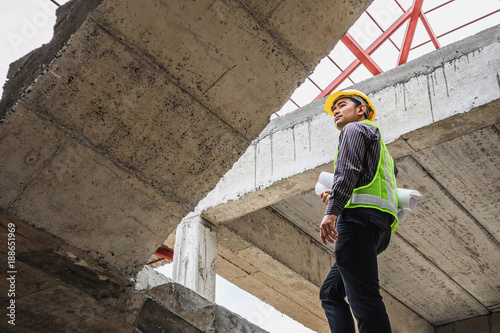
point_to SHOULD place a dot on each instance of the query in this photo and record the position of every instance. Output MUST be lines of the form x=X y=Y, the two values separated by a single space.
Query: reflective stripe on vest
x=387 y=199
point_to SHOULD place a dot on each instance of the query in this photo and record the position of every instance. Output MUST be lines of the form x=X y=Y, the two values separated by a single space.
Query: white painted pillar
x=195 y=255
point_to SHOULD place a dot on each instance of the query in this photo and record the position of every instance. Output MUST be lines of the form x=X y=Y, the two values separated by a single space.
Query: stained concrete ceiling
x=142 y=109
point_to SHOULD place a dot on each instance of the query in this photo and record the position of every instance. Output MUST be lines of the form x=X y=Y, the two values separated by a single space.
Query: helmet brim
x=330 y=101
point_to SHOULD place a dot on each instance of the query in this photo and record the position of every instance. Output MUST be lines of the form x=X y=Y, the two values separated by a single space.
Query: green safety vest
x=381 y=192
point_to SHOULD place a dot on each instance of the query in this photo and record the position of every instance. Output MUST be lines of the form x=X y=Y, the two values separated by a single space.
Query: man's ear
x=361 y=110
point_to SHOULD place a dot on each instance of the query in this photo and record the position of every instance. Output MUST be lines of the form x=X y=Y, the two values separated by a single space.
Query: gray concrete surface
x=70 y=291
x=195 y=255
x=113 y=132
x=488 y=324
x=440 y=117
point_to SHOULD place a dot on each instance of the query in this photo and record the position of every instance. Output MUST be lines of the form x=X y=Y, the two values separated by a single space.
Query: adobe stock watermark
x=262 y=311
x=31 y=25
x=11 y=273
x=384 y=17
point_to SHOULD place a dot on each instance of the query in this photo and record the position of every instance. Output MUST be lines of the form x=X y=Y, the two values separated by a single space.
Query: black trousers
x=363 y=234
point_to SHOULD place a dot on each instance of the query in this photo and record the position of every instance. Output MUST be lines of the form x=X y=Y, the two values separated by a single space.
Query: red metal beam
x=378 y=25
x=340 y=69
x=339 y=79
x=388 y=33
x=401 y=7
x=441 y=5
x=428 y=27
x=416 y=10
x=361 y=54
x=165 y=252
x=460 y=27
x=154 y=261
x=372 y=48
x=464 y=25
x=291 y=100
x=309 y=78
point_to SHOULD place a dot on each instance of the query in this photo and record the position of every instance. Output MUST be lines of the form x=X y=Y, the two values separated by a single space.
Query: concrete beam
x=483 y=324
x=436 y=98
x=71 y=291
x=173 y=307
x=195 y=256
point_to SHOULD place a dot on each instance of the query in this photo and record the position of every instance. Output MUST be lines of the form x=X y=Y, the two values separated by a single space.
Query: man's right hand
x=325 y=196
x=327 y=230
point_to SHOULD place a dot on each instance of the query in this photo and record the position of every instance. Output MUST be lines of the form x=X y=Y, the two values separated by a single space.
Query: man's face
x=345 y=112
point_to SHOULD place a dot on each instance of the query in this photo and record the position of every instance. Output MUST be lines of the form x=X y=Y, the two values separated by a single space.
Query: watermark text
x=11 y=273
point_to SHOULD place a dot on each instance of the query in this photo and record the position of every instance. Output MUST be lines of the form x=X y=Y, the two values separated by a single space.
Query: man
x=360 y=218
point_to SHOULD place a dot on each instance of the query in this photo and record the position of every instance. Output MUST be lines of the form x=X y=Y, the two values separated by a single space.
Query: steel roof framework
x=363 y=56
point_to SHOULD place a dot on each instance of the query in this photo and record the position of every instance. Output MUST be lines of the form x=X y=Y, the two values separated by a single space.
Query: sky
x=27 y=24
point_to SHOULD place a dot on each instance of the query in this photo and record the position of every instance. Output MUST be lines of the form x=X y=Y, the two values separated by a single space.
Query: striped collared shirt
x=357 y=161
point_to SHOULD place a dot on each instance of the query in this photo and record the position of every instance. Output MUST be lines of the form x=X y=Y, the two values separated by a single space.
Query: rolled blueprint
x=326 y=179
x=320 y=188
x=407 y=198
x=325 y=183
x=401 y=214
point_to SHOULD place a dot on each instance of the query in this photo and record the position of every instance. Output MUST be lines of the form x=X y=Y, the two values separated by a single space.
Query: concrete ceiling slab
x=128 y=110
x=468 y=253
x=70 y=197
x=424 y=288
x=78 y=312
x=213 y=64
x=467 y=167
x=28 y=143
x=304 y=207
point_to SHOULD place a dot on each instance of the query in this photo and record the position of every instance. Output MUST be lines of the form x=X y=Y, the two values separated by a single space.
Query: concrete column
x=195 y=255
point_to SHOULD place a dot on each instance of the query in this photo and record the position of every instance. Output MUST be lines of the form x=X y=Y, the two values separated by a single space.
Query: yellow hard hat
x=330 y=101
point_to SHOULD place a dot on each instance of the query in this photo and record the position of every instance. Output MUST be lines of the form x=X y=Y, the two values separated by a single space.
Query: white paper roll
x=407 y=198
x=401 y=214
x=326 y=179
x=320 y=188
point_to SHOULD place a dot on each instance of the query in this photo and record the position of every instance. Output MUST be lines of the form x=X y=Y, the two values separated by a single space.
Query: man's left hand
x=325 y=196
x=327 y=229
